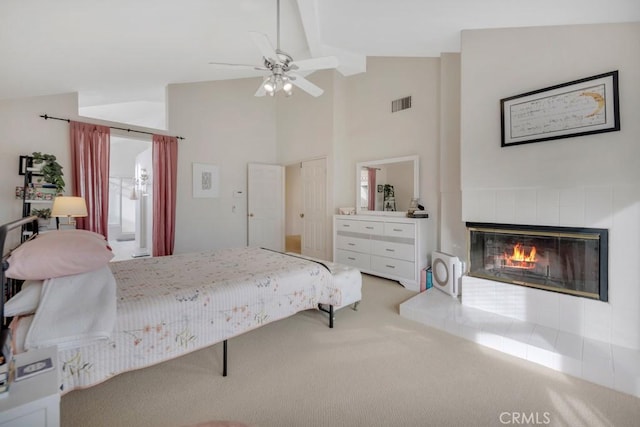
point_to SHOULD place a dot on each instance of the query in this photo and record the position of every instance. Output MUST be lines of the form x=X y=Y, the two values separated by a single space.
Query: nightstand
x=34 y=401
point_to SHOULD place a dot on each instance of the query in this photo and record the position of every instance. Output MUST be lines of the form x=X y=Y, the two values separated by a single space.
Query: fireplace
x=559 y=259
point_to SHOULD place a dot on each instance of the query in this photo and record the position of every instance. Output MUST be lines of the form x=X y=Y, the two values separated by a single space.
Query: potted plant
x=51 y=170
x=44 y=216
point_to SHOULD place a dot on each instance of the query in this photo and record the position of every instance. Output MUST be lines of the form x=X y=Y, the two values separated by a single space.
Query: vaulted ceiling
x=121 y=50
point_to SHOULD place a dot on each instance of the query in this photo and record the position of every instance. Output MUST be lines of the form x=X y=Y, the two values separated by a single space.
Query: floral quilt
x=173 y=305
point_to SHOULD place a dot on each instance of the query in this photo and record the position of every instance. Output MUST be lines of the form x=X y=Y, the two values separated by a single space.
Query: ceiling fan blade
x=226 y=65
x=265 y=46
x=261 y=91
x=320 y=63
x=305 y=85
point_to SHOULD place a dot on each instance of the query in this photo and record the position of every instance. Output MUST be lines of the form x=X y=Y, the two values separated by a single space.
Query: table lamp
x=69 y=206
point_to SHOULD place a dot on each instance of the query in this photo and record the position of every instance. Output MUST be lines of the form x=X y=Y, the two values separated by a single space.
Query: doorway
x=127 y=195
x=305 y=208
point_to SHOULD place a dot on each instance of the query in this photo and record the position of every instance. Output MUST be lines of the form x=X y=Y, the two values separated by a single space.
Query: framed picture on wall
x=580 y=107
x=206 y=180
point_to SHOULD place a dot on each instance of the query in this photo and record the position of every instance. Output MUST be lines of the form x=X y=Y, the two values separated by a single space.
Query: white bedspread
x=74 y=310
x=170 y=306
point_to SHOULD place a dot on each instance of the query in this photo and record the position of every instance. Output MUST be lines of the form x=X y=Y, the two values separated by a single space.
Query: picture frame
x=206 y=181
x=22 y=169
x=581 y=107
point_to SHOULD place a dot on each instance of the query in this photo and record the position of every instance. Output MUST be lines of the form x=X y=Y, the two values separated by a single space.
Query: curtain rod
x=46 y=117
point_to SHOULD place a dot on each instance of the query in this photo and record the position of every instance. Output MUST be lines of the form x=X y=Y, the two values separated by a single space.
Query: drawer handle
x=346 y=225
x=391 y=266
x=351 y=244
x=390 y=250
x=351 y=258
x=397 y=229
x=369 y=227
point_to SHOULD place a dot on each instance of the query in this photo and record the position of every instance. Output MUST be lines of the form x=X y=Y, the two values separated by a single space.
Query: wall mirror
x=386 y=186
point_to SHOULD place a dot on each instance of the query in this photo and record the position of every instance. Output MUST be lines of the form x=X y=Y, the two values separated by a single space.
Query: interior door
x=265 y=206
x=314 y=208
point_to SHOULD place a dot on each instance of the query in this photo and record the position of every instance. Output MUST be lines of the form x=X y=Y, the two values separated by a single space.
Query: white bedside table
x=34 y=401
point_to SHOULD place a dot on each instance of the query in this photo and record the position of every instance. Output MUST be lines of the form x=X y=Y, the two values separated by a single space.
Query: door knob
x=250 y=214
x=301 y=215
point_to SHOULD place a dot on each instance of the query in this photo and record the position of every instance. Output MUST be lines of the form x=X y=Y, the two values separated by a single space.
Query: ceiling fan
x=282 y=69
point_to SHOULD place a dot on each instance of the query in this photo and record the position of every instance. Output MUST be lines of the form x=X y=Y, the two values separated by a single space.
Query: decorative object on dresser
x=391 y=247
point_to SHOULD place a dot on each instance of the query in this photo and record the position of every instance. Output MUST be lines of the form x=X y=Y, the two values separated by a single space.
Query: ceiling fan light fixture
x=270 y=85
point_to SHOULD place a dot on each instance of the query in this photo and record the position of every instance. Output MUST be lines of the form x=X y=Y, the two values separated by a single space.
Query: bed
x=128 y=315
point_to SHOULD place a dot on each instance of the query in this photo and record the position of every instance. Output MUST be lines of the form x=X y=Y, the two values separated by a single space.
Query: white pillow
x=26 y=301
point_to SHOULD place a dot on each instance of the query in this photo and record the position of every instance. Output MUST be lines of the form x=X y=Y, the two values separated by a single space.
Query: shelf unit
x=29 y=193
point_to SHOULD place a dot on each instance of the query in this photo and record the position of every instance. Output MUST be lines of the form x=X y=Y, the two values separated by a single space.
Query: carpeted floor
x=374 y=368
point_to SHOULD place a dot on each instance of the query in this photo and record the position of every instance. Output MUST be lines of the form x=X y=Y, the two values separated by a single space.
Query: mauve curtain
x=165 y=167
x=372 y=189
x=90 y=171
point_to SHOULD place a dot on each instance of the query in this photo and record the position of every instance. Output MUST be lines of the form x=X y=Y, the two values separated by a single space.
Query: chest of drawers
x=390 y=247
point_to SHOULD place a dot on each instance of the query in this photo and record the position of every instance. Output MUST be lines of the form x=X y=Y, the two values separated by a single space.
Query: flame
x=520 y=258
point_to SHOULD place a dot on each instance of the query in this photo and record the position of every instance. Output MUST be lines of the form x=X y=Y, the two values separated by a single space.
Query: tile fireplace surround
x=596 y=361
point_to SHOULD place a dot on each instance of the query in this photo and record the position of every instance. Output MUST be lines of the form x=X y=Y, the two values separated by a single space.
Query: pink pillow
x=61 y=254
x=55 y=233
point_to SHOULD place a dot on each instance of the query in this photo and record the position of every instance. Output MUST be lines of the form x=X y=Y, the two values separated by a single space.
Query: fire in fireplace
x=560 y=259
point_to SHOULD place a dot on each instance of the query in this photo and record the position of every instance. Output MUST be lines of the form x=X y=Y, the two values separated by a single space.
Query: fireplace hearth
x=560 y=259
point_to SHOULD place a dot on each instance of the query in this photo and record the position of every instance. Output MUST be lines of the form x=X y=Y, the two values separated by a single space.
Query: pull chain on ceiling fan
x=281 y=66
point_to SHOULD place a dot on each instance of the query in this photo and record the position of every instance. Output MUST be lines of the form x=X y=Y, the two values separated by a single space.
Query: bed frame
x=11 y=286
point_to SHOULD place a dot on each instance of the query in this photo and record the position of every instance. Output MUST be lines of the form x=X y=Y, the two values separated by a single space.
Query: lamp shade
x=69 y=206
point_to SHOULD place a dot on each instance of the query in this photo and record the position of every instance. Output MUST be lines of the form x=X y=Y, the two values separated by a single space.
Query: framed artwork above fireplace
x=580 y=107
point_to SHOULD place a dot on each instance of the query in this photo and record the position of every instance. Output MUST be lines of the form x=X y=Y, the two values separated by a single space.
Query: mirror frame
x=416 y=182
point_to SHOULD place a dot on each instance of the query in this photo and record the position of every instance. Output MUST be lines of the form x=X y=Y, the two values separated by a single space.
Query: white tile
x=547 y=206
x=571 y=314
x=526 y=206
x=520 y=331
x=543 y=337
x=479 y=205
x=569 y=345
x=626 y=360
x=597 y=320
x=598 y=206
x=514 y=347
x=625 y=323
x=544 y=357
x=505 y=206
x=599 y=373
x=597 y=352
x=571 y=206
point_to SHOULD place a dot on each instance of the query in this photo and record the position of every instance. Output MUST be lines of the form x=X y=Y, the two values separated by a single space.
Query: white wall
x=22 y=132
x=373 y=132
x=588 y=181
x=224 y=125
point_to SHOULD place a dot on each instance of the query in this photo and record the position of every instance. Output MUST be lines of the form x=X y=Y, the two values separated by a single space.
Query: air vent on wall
x=400 y=104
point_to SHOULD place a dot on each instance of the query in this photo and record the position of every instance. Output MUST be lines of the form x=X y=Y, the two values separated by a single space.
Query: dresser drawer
x=394 y=250
x=354 y=259
x=353 y=244
x=393 y=267
x=399 y=229
x=367 y=227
